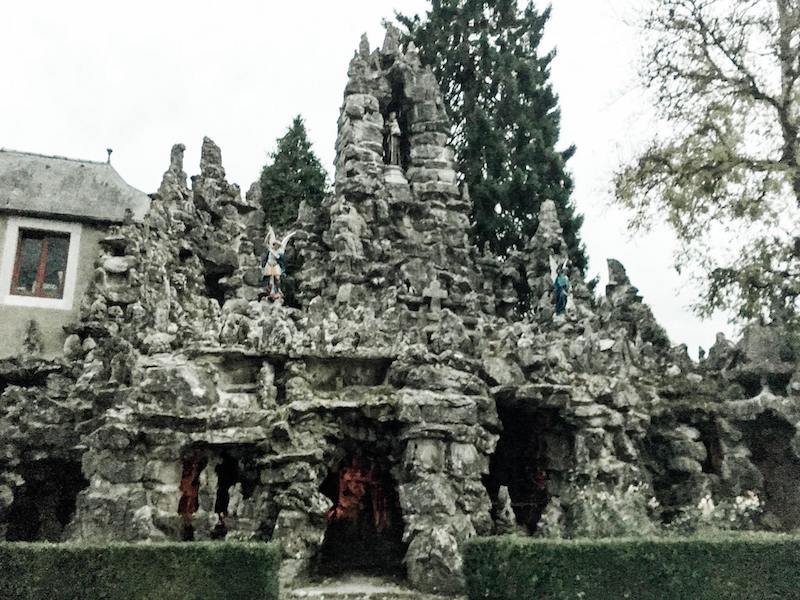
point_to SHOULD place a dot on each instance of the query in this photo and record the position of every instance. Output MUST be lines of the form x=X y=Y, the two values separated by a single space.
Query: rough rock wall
x=39 y=455
x=730 y=424
x=393 y=233
x=180 y=395
x=203 y=376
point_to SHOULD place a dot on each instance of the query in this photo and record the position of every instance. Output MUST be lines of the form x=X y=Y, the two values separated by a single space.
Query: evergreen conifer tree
x=294 y=175
x=505 y=114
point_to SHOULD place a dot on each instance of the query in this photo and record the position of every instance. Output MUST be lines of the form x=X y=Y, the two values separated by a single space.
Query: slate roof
x=65 y=188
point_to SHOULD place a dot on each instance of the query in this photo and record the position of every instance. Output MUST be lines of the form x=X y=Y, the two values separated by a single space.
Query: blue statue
x=561 y=288
x=560 y=285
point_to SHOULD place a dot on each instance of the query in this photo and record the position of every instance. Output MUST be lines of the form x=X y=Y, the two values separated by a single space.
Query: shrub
x=599 y=511
x=207 y=571
x=740 y=513
x=752 y=566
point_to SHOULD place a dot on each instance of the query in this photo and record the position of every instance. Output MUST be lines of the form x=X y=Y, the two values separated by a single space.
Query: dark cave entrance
x=189 y=502
x=44 y=505
x=535 y=446
x=769 y=438
x=715 y=454
x=215 y=482
x=364 y=533
x=228 y=473
x=214 y=288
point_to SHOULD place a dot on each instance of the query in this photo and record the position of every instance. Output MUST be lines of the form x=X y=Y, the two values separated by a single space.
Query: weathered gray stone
x=403 y=343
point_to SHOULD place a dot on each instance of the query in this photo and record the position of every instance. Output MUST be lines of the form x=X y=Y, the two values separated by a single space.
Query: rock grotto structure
x=401 y=369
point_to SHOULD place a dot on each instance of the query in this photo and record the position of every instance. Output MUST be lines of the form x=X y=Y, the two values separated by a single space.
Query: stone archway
x=219 y=494
x=305 y=489
x=364 y=530
x=535 y=446
x=771 y=438
x=44 y=505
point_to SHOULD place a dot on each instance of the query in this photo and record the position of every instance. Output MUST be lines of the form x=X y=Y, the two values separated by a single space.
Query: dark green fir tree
x=295 y=174
x=506 y=119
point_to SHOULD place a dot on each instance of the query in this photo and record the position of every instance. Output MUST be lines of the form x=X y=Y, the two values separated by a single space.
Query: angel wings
x=272 y=238
x=554 y=266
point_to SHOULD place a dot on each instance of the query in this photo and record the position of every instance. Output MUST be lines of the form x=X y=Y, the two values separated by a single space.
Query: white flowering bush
x=739 y=514
x=599 y=510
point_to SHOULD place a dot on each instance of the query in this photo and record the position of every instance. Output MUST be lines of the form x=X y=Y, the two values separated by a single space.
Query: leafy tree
x=505 y=114
x=722 y=167
x=294 y=175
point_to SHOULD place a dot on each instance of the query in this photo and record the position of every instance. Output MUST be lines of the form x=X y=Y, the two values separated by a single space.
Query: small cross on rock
x=435 y=292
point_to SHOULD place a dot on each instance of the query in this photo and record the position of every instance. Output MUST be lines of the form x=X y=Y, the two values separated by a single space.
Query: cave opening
x=535 y=446
x=228 y=475
x=769 y=438
x=364 y=533
x=189 y=502
x=778 y=383
x=44 y=505
x=217 y=485
x=751 y=384
x=214 y=288
x=715 y=454
x=522 y=288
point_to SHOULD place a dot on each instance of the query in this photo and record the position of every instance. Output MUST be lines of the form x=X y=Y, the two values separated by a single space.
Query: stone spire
x=363 y=47
x=549 y=236
x=211 y=160
x=627 y=306
x=391 y=43
x=174 y=179
x=546 y=246
x=391 y=231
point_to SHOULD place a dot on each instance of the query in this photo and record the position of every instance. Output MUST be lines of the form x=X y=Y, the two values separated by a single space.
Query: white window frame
x=9 y=257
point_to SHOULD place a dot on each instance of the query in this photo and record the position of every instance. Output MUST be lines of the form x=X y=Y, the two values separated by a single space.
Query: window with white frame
x=39 y=263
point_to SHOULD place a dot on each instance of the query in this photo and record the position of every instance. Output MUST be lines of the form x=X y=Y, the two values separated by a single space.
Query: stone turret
x=393 y=231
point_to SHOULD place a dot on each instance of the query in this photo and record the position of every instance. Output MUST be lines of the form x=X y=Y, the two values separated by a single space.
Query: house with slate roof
x=53 y=213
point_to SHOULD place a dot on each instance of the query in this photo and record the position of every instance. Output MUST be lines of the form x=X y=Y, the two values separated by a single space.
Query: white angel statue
x=273 y=265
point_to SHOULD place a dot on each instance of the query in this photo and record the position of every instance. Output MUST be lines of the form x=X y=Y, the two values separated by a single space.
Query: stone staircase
x=359 y=588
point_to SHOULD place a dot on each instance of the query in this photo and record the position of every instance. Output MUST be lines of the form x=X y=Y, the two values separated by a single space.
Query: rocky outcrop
x=39 y=448
x=431 y=374
x=393 y=233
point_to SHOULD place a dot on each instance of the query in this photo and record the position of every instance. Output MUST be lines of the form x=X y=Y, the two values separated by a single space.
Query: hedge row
x=207 y=571
x=743 y=567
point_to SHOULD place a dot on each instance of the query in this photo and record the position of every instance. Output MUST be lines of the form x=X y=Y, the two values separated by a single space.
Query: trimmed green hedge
x=189 y=571
x=741 y=567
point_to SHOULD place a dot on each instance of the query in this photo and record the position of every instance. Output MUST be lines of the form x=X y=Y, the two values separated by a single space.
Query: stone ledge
x=360 y=588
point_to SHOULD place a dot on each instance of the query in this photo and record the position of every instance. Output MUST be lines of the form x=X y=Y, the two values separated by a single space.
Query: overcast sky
x=81 y=76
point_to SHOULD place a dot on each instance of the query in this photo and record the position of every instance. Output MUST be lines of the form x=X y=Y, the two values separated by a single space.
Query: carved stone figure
x=393 y=133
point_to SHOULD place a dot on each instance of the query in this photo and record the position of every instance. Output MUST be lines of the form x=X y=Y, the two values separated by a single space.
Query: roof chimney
x=109 y=150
